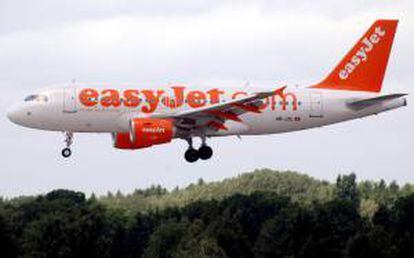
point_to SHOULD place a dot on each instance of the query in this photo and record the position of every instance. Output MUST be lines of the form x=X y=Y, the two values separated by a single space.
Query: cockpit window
x=37 y=97
x=30 y=98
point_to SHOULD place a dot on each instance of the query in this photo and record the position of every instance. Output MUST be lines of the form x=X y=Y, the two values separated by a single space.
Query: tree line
x=259 y=214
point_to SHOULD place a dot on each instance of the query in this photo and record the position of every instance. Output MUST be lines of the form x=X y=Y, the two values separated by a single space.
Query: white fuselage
x=64 y=109
x=140 y=117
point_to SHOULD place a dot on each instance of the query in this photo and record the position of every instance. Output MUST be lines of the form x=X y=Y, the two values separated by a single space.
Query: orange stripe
x=249 y=108
x=217 y=125
x=226 y=115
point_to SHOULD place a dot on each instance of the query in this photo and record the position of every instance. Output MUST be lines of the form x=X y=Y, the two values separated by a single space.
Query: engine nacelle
x=145 y=132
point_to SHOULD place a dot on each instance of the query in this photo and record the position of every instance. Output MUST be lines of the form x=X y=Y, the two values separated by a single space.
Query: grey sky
x=195 y=42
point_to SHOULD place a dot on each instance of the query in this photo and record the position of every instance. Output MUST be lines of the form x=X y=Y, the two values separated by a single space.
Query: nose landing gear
x=204 y=152
x=67 y=152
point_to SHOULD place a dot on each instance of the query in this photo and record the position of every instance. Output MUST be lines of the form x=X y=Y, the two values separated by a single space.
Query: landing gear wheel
x=191 y=155
x=66 y=152
x=205 y=152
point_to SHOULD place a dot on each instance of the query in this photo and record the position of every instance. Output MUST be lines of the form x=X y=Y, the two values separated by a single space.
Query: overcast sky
x=196 y=42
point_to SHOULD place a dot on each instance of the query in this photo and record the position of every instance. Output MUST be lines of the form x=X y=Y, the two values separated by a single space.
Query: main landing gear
x=204 y=152
x=66 y=152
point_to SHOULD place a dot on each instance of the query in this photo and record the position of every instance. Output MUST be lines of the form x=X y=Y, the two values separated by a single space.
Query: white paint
x=317 y=108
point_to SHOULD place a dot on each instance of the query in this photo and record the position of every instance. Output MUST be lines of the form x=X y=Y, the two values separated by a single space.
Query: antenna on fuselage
x=246 y=85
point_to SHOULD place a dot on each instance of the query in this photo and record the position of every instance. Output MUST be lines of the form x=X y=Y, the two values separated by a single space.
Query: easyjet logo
x=362 y=54
x=148 y=100
x=153 y=130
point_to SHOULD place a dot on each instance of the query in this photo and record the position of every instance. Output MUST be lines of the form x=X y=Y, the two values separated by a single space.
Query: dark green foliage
x=322 y=231
x=165 y=238
x=346 y=189
x=333 y=225
x=260 y=214
x=8 y=244
x=63 y=224
x=282 y=235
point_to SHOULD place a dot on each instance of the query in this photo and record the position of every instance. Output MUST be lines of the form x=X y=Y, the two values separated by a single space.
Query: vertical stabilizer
x=363 y=68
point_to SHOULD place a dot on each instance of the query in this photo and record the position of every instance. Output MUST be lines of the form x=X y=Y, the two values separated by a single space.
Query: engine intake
x=145 y=132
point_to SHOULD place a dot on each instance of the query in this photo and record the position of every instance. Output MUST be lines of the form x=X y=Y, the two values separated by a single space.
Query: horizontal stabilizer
x=361 y=104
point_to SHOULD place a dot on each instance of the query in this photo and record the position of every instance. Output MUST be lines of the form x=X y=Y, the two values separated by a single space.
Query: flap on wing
x=364 y=103
x=214 y=116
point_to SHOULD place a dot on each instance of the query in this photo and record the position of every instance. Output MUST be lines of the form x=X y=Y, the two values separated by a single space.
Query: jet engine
x=145 y=132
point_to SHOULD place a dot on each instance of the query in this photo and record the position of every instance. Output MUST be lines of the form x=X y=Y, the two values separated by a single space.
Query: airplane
x=141 y=117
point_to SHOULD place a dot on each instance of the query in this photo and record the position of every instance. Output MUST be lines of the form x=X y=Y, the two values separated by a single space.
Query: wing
x=213 y=117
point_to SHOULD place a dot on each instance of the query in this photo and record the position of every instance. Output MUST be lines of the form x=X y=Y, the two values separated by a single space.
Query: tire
x=66 y=152
x=205 y=152
x=191 y=155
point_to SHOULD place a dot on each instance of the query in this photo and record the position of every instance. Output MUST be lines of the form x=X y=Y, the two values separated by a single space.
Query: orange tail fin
x=363 y=68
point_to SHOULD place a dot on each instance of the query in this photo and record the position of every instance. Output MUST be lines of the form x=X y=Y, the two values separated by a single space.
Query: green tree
x=64 y=224
x=8 y=243
x=333 y=225
x=346 y=189
x=282 y=235
x=196 y=243
x=164 y=240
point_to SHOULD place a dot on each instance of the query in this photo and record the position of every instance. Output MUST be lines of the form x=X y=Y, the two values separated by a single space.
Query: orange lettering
x=111 y=98
x=179 y=98
x=131 y=98
x=152 y=100
x=196 y=99
x=89 y=97
x=214 y=95
x=238 y=93
x=294 y=99
x=283 y=98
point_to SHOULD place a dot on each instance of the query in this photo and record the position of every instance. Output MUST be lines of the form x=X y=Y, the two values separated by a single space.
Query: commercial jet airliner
x=140 y=117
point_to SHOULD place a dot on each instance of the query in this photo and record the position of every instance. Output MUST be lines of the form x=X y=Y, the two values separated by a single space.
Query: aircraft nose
x=14 y=114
